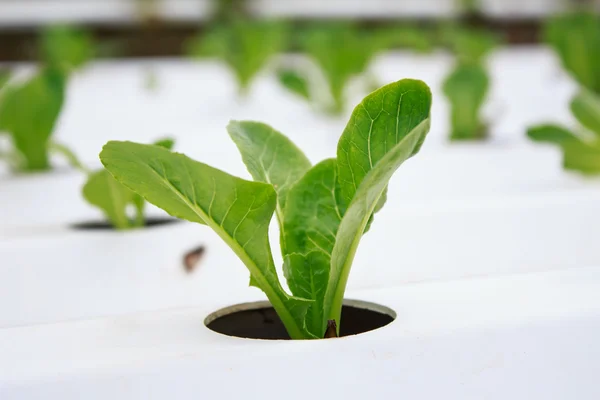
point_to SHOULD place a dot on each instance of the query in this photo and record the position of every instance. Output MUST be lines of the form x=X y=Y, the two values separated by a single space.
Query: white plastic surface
x=516 y=337
x=70 y=274
x=60 y=275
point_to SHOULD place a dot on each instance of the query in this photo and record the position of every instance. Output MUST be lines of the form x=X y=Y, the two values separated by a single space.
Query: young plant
x=28 y=113
x=29 y=110
x=66 y=49
x=576 y=39
x=244 y=45
x=406 y=36
x=342 y=52
x=322 y=210
x=466 y=88
x=115 y=200
x=580 y=147
x=467 y=85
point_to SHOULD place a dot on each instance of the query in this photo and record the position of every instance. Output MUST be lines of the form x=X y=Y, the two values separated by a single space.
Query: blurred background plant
x=29 y=109
x=315 y=58
x=122 y=208
x=575 y=38
x=467 y=85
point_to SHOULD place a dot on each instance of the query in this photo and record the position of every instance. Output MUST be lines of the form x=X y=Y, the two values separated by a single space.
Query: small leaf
x=576 y=39
x=239 y=211
x=582 y=157
x=29 y=113
x=294 y=82
x=307 y=276
x=551 y=134
x=65 y=48
x=342 y=51
x=312 y=218
x=406 y=36
x=385 y=129
x=167 y=143
x=586 y=108
x=270 y=157
x=470 y=46
x=466 y=88
x=245 y=46
x=104 y=192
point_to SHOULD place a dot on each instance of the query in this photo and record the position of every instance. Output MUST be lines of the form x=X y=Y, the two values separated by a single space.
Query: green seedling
x=65 y=48
x=409 y=37
x=467 y=85
x=114 y=199
x=576 y=39
x=342 y=52
x=30 y=110
x=580 y=147
x=466 y=88
x=322 y=210
x=245 y=46
x=28 y=113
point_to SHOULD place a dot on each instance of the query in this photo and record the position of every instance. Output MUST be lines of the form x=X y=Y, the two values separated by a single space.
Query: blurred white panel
x=356 y=8
x=522 y=8
x=16 y=13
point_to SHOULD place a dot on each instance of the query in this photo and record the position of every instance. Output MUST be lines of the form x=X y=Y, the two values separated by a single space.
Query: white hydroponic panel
x=515 y=337
x=18 y=13
x=65 y=274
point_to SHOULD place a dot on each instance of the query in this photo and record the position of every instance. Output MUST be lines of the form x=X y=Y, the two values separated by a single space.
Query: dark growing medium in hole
x=263 y=322
x=103 y=225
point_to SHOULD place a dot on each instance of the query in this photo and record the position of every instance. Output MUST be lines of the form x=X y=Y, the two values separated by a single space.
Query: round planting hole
x=259 y=320
x=104 y=225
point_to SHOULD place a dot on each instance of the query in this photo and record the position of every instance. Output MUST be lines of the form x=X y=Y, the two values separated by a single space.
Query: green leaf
x=295 y=82
x=4 y=77
x=245 y=46
x=65 y=48
x=342 y=51
x=586 y=108
x=312 y=218
x=104 y=192
x=578 y=155
x=551 y=134
x=29 y=112
x=239 y=211
x=385 y=129
x=470 y=46
x=307 y=277
x=466 y=88
x=576 y=39
x=167 y=143
x=114 y=199
x=406 y=36
x=270 y=157
x=582 y=157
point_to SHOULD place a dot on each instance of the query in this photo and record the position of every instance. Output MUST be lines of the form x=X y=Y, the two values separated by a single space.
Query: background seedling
x=341 y=52
x=467 y=85
x=576 y=39
x=246 y=46
x=30 y=110
x=115 y=200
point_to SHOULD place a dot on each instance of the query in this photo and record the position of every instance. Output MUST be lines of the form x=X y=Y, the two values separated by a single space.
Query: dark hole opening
x=260 y=321
x=151 y=222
